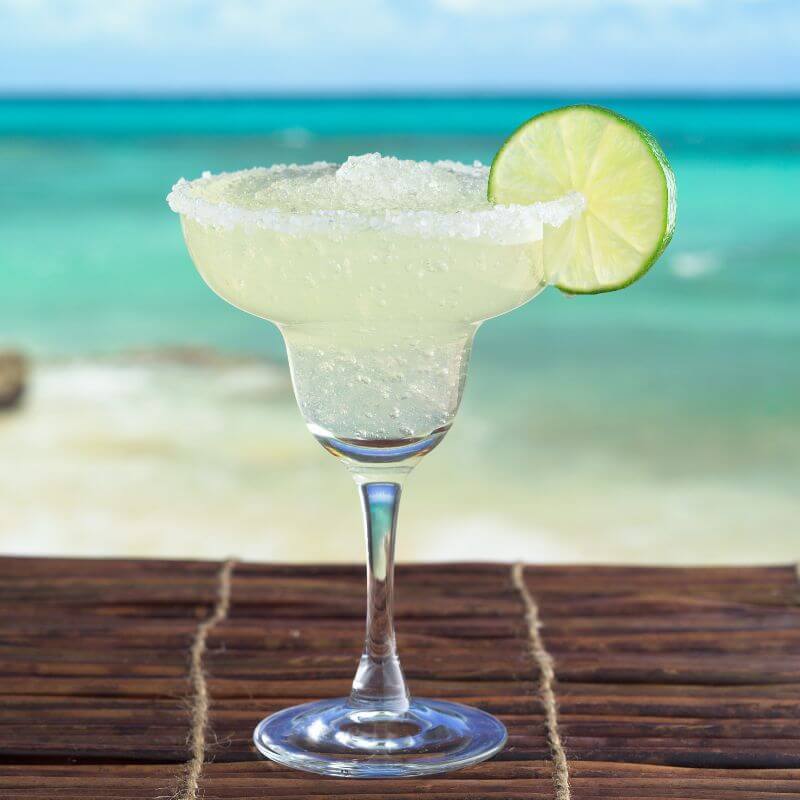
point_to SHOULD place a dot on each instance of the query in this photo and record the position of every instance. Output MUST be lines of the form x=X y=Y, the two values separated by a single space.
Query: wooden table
x=671 y=683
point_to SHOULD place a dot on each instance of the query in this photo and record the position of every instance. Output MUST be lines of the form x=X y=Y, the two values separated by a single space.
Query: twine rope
x=547 y=678
x=201 y=702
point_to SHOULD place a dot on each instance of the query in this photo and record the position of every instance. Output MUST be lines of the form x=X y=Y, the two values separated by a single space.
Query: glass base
x=333 y=737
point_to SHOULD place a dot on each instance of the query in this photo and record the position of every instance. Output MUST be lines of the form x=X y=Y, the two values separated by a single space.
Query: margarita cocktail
x=378 y=273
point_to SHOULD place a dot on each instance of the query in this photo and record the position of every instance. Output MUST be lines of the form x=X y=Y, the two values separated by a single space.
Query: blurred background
x=142 y=415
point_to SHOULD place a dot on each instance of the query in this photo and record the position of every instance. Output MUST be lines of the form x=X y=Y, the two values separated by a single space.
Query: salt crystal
x=369 y=192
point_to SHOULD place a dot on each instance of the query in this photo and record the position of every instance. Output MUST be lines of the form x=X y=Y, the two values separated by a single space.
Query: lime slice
x=622 y=173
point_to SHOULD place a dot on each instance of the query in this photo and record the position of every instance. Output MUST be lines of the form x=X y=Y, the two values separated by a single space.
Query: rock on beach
x=13 y=375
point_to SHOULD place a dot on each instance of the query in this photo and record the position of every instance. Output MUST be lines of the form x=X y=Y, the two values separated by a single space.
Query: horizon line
x=392 y=94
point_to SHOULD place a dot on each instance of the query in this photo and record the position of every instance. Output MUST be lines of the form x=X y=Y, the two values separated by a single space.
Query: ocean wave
x=691 y=264
x=296 y=137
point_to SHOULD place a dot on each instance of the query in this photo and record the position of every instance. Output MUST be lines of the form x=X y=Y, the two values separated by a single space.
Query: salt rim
x=504 y=224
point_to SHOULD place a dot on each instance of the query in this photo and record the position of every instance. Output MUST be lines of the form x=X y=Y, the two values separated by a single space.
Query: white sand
x=162 y=458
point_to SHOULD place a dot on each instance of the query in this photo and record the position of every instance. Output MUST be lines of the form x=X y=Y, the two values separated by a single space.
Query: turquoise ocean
x=661 y=423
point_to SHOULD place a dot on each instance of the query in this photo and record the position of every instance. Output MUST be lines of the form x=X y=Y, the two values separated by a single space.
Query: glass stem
x=379 y=682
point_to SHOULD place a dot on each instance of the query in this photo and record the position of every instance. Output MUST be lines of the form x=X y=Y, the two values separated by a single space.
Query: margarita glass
x=377 y=272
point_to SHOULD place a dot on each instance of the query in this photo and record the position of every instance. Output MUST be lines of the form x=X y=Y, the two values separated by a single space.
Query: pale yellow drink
x=377 y=273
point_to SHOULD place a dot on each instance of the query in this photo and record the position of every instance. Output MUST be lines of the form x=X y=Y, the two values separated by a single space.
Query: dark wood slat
x=672 y=683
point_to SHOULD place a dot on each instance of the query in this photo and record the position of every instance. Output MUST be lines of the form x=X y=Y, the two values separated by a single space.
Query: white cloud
x=203 y=22
x=509 y=7
x=393 y=43
x=74 y=21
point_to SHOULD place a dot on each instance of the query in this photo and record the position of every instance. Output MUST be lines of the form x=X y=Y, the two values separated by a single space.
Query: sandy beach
x=187 y=452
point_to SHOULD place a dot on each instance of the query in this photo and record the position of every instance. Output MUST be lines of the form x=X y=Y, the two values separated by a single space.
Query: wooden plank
x=672 y=683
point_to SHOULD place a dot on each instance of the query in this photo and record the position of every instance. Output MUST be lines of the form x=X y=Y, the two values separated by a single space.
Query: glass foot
x=333 y=737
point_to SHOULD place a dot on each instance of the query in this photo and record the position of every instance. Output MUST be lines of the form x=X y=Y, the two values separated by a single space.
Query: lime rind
x=593 y=150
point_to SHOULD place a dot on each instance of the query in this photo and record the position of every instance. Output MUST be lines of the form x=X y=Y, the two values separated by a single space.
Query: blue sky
x=399 y=45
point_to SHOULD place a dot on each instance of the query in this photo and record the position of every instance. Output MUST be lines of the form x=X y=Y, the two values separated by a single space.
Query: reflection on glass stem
x=379 y=680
